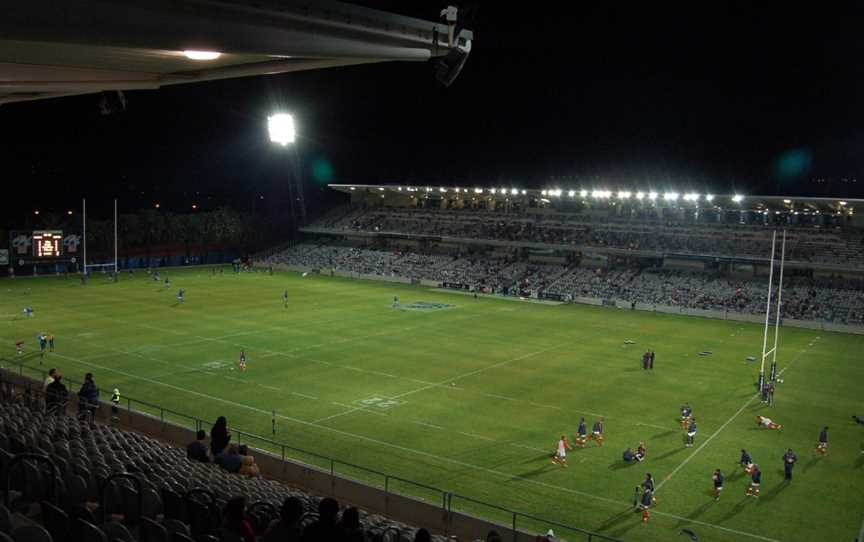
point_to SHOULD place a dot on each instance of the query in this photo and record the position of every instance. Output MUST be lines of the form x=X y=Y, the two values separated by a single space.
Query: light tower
x=283 y=132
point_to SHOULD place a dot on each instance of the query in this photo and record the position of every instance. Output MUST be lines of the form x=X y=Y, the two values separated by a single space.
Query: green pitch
x=470 y=395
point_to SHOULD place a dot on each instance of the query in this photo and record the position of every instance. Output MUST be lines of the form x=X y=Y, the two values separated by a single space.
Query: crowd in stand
x=830 y=246
x=834 y=300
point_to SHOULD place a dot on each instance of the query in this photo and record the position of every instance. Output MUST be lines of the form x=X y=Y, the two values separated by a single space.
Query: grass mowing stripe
x=413 y=451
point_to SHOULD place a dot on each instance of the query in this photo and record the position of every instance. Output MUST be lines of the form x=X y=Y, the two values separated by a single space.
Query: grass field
x=471 y=398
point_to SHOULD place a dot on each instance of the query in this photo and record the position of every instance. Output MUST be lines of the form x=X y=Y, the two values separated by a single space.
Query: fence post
x=515 y=535
x=386 y=484
x=162 y=415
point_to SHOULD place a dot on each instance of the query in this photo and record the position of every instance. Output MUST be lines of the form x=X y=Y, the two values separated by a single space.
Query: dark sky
x=730 y=96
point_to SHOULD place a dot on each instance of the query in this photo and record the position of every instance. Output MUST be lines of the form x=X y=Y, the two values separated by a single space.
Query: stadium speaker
x=447 y=69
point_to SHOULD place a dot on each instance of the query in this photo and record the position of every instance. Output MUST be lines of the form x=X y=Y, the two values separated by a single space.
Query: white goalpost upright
x=112 y=265
x=773 y=352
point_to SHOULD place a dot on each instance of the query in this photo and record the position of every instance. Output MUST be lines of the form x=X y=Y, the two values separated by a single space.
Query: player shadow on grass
x=807 y=466
x=739 y=506
x=669 y=453
x=775 y=491
x=663 y=434
x=615 y=520
x=694 y=515
x=618 y=465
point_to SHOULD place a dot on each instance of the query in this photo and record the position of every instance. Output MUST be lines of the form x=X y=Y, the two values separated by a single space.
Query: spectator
x=422 y=535
x=248 y=468
x=287 y=528
x=493 y=536
x=350 y=525
x=229 y=458
x=324 y=528
x=49 y=379
x=56 y=395
x=219 y=436
x=234 y=520
x=88 y=397
x=196 y=450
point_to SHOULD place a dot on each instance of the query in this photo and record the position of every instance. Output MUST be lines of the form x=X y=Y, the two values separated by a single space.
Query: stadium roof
x=50 y=49
x=757 y=203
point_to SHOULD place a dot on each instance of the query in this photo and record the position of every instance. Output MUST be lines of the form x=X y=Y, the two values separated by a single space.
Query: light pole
x=283 y=132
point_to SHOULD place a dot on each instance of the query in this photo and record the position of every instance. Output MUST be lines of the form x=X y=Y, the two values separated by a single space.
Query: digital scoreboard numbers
x=47 y=244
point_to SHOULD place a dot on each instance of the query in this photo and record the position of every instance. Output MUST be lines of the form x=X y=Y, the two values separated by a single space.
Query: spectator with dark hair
x=196 y=450
x=219 y=436
x=56 y=395
x=229 y=459
x=49 y=379
x=493 y=536
x=88 y=397
x=234 y=520
x=422 y=535
x=325 y=527
x=350 y=525
x=287 y=527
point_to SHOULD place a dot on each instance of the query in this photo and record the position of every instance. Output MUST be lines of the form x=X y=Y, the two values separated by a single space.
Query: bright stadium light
x=652 y=195
x=640 y=195
x=692 y=197
x=524 y=191
x=380 y=189
x=709 y=197
x=514 y=191
x=492 y=190
x=670 y=196
x=281 y=128
x=583 y=193
x=843 y=204
x=572 y=193
x=737 y=198
x=478 y=190
x=442 y=189
x=596 y=194
x=623 y=194
x=202 y=55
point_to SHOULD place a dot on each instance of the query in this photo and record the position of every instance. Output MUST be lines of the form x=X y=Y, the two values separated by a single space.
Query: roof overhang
x=51 y=49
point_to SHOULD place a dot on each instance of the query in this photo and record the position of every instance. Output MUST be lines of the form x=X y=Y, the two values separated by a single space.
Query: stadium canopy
x=50 y=49
x=599 y=196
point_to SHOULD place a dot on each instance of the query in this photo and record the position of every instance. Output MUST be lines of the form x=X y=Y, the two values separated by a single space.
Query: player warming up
x=19 y=347
x=718 y=484
x=597 y=432
x=822 y=446
x=581 y=433
x=648 y=500
x=767 y=423
x=746 y=461
x=181 y=296
x=755 y=482
x=242 y=360
x=691 y=433
x=686 y=413
x=395 y=301
x=285 y=299
x=560 y=457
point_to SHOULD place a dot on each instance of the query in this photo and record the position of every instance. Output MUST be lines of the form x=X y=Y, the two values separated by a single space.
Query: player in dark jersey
x=691 y=433
x=789 y=460
x=648 y=500
x=641 y=452
x=686 y=413
x=649 y=482
x=746 y=461
x=581 y=433
x=285 y=299
x=242 y=360
x=755 y=482
x=597 y=432
x=822 y=447
x=718 y=483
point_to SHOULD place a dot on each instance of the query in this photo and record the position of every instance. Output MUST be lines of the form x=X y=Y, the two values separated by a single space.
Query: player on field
x=581 y=433
x=560 y=457
x=822 y=446
x=242 y=360
x=43 y=343
x=50 y=342
x=789 y=460
x=597 y=432
x=649 y=482
x=181 y=295
x=755 y=482
x=718 y=483
x=691 y=433
x=156 y=277
x=285 y=299
x=641 y=452
x=648 y=500
x=767 y=423
x=167 y=282
x=19 y=347
x=395 y=301
x=686 y=413
x=746 y=461
x=28 y=311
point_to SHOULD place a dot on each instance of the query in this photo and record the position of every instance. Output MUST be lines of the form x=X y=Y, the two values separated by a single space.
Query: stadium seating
x=834 y=300
x=76 y=481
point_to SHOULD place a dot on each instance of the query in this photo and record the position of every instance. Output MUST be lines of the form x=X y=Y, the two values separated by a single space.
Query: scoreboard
x=47 y=244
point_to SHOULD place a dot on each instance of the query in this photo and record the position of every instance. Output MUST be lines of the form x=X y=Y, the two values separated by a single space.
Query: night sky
x=761 y=100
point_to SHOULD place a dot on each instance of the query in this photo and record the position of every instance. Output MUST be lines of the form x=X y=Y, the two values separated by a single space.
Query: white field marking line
x=303 y=395
x=408 y=450
x=475 y=435
x=458 y=377
x=425 y=424
x=722 y=427
x=370 y=410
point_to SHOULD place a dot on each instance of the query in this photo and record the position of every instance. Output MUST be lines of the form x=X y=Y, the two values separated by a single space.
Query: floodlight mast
x=282 y=132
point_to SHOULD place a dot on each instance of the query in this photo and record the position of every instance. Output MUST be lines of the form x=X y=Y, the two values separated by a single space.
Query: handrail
x=446 y=496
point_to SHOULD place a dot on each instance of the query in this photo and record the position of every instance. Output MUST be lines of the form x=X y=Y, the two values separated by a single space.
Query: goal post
x=85 y=267
x=772 y=353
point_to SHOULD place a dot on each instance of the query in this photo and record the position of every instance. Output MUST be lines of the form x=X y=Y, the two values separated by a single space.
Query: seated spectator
x=324 y=528
x=234 y=520
x=229 y=459
x=350 y=525
x=196 y=450
x=219 y=436
x=286 y=528
x=628 y=456
x=422 y=535
x=49 y=379
x=248 y=468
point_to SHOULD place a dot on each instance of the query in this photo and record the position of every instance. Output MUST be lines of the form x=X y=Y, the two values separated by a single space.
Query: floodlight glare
x=596 y=194
x=843 y=203
x=737 y=198
x=571 y=193
x=692 y=196
x=640 y=195
x=623 y=194
x=524 y=191
x=709 y=197
x=281 y=127
x=492 y=190
x=652 y=195
x=202 y=55
x=478 y=190
x=670 y=196
x=514 y=191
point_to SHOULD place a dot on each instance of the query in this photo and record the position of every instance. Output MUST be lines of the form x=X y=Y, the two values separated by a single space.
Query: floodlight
x=787 y=201
x=524 y=191
x=281 y=127
x=640 y=195
x=595 y=194
x=652 y=195
x=353 y=188
x=623 y=194
x=514 y=191
x=492 y=190
x=571 y=193
x=583 y=193
x=843 y=204
x=737 y=198
x=380 y=189
x=709 y=197
x=670 y=196
x=202 y=55
x=478 y=190
x=442 y=189
x=692 y=197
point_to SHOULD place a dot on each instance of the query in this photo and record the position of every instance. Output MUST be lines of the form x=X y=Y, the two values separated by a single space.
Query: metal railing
x=513 y=520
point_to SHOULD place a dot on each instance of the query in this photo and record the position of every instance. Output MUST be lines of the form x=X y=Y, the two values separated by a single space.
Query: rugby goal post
x=102 y=266
x=768 y=303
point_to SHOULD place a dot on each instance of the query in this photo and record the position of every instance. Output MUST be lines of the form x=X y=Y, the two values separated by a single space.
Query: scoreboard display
x=47 y=244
